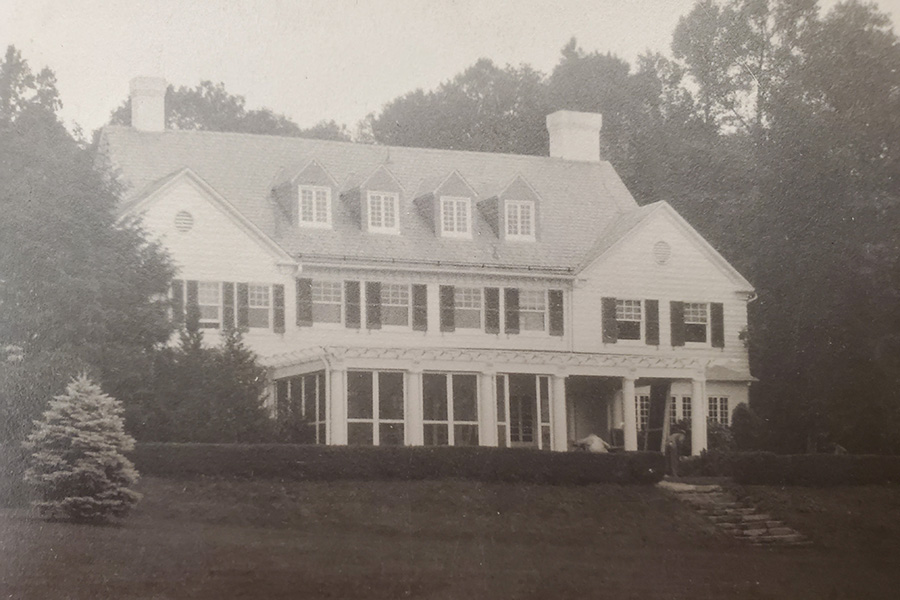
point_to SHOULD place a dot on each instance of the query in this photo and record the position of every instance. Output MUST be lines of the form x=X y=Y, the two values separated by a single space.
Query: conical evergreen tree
x=77 y=463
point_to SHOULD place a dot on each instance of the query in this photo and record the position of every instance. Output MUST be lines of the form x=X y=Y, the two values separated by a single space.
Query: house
x=418 y=296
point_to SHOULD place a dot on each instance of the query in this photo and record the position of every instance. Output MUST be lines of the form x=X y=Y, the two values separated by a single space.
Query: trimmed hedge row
x=814 y=469
x=327 y=463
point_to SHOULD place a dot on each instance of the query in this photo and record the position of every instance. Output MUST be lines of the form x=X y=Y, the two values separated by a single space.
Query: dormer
x=306 y=195
x=450 y=207
x=381 y=202
x=518 y=210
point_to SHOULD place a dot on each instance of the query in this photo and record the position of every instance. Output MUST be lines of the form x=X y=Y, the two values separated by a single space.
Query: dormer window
x=520 y=219
x=383 y=211
x=315 y=206
x=456 y=217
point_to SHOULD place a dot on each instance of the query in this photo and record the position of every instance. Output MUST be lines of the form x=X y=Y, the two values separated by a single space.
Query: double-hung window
x=519 y=219
x=395 y=304
x=456 y=217
x=209 y=301
x=383 y=212
x=628 y=319
x=315 y=206
x=327 y=298
x=260 y=304
x=696 y=322
x=467 y=307
x=532 y=310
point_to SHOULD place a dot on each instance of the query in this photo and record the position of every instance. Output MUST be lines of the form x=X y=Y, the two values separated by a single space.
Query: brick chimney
x=575 y=135
x=148 y=103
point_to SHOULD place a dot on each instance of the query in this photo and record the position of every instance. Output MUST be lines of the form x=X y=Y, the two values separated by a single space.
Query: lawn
x=208 y=538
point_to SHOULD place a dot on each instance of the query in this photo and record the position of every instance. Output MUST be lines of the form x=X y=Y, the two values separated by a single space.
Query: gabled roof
x=155 y=190
x=578 y=199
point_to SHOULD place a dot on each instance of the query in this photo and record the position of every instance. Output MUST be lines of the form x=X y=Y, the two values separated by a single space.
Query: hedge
x=814 y=469
x=327 y=463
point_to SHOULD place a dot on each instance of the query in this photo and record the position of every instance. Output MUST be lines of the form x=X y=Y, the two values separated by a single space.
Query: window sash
x=209 y=301
x=315 y=205
x=327 y=301
x=467 y=307
x=383 y=211
x=395 y=304
x=455 y=215
x=532 y=310
x=519 y=218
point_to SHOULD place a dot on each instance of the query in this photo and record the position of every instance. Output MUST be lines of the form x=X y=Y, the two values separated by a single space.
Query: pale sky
x=314 y=60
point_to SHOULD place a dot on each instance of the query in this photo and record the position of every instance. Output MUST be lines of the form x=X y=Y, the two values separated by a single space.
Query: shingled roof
x=580 y=201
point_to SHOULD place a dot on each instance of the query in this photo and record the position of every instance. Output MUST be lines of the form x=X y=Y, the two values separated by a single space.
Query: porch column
x=415 y=432
x=558 y=414
x=698 y=416
x=337 y=407
x=487 y=408
x=629 y=416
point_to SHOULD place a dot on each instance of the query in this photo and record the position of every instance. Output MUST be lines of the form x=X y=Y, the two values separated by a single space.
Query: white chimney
x=575 y=135
x=148 y=103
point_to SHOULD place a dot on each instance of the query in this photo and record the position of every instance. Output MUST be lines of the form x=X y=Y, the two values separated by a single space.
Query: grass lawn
x=218 y=539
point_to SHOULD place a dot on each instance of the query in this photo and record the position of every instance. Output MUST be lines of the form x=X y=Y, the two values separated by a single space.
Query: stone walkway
x=737 y=518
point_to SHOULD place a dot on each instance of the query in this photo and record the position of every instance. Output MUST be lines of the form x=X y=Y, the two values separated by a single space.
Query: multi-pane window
x=680 y=409
x=467 y=307
x=260 y=303
x=642 y=406
x=686 y=407
x=520 y=219
x=375 y=402
x=209 y=301
x=450 y=409
x=326 y=301
x=696 y=321
x=718 y=411
x=673 y=410
x=315 y=206
x=532 y=310
x=383 y=212
x=395 y=304
x=628 y=319
x=455 y=216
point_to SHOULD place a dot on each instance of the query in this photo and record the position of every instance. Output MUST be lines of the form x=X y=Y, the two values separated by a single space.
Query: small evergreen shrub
x=77 y=466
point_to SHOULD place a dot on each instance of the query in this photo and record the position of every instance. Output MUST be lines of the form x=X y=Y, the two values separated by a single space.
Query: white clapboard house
x=411 y=296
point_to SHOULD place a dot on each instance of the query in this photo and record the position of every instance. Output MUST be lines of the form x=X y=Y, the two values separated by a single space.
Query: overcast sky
x=329 y=59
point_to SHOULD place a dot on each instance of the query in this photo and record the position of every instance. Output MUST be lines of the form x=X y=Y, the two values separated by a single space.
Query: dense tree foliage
x=210 y=107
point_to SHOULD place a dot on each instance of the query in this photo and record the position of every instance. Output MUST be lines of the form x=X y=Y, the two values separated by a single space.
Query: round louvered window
x=662 y=252
x=184 y=221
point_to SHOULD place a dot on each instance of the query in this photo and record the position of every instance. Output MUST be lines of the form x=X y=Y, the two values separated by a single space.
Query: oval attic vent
x=662 y=252
x=184 y=221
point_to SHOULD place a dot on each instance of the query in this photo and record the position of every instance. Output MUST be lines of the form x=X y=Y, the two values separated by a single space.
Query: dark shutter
x=373 y=305
x=353 y=310
x=243 y=306
x=448 y=318
x=492 y=310
x=227 y=305
x=651 y=330
x=557 y=316
x=304 y=302
x=717 y=324
x=192 y=309
x=420 y=307
x=608 y=320
x=177 y=301
x=677 y=317
x=511 y=309
x=278 y=308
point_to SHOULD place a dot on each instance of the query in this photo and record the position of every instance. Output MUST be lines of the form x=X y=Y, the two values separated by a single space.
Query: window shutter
x=717 y=324
x=304 y=303
x=192 y=309
x=243 y=306
x=177 y=301
x=373 y=305
x=227 y=305
x=448 y=320
x=651 y=327
x=420 y=307
x=511 y=312
x=608 y=320
x=492 y=310
x=557 y=316
x=353 y=310
x=677 y=314
x=278 y=308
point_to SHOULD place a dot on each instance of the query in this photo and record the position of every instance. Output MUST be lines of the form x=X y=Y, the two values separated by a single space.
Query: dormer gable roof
x=310 y=172
x=382 y=180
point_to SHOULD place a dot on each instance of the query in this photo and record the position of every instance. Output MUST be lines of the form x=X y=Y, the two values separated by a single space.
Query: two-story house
x=417 y=296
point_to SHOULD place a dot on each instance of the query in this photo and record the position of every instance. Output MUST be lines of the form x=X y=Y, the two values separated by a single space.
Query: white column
x=698 y=416
x=487 y=408
x=629 y=416
x=415 y=432
x=558 y=414
x=337 y=408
